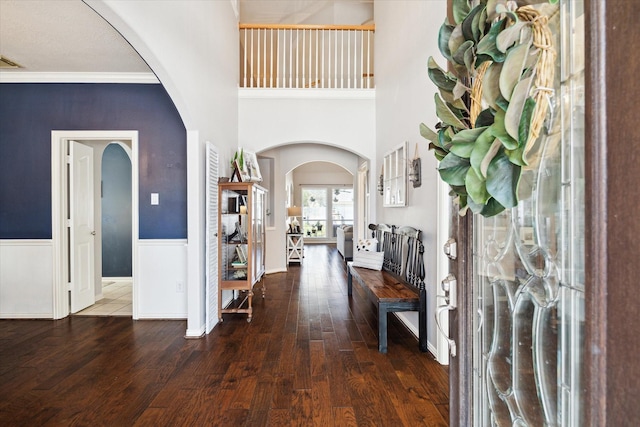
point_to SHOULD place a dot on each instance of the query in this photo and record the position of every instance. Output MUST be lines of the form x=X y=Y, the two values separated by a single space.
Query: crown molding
x=63 y=77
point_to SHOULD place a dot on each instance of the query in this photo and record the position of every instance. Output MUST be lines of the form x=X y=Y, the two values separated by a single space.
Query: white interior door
x=82 y=228
x=212 y=238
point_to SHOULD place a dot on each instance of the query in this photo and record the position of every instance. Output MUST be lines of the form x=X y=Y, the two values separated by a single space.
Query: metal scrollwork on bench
x=403 y=249
x=415 y=265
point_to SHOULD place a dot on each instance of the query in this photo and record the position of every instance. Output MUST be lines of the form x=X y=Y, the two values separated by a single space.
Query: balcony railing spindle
x=306 y=56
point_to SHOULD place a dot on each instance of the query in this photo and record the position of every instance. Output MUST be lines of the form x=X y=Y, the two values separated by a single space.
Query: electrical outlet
x=180 y=287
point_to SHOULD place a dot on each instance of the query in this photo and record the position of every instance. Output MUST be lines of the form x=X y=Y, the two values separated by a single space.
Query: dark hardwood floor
x=309 y=358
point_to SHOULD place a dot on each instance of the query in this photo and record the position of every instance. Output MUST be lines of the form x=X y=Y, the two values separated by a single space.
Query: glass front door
x=529 y=268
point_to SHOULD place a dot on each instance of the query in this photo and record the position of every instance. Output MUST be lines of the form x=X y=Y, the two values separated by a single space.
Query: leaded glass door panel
x=529 y=267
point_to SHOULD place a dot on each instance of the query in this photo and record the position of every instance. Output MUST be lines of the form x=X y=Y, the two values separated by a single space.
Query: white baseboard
x=195 y=333
x=47 y=316
x=414 y=331
x=163 y=316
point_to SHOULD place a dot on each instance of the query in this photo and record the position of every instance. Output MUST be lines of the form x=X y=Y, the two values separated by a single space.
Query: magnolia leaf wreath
x=507 y=52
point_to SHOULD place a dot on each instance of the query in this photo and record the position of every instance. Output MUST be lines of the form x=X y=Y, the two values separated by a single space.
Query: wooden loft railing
x=306 y=56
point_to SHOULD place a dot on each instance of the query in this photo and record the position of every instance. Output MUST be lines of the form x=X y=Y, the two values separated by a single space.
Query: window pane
x=324 y=209
x=341 y=208
x=314 y=212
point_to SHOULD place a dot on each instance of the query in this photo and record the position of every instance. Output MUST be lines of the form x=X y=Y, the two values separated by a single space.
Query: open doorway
x=115 y=296
x=325 y=192
x=81 y=259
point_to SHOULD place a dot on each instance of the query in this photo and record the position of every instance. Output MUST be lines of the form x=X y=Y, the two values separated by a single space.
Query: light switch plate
x=155 y=199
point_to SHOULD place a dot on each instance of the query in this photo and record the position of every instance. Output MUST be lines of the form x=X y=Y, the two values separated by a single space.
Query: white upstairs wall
x=296 y=126
x=406 y=35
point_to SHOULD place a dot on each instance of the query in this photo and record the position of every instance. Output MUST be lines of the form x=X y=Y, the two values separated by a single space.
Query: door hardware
x=450 y=248
x=448 y=285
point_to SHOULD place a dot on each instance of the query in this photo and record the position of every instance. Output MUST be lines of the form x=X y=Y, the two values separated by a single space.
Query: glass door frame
x=611 y=291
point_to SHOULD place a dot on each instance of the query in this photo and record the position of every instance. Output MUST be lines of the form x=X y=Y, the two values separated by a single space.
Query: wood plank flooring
x=309 y=358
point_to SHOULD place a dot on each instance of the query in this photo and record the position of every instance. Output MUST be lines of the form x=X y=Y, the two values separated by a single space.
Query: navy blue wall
x=28 y=114
x=116 y=212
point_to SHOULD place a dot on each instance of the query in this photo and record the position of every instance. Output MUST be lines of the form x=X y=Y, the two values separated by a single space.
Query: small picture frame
x=251 y=167
x=241 y=251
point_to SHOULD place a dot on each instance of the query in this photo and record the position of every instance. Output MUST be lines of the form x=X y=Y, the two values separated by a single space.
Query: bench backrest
x=403 y=252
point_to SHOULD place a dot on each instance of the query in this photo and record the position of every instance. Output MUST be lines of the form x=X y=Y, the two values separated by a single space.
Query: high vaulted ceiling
x=63 y=36
x=66 y=36
x=321 y=12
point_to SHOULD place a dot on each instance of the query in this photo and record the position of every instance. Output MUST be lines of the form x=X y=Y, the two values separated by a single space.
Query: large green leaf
x=485 y=118
x=460 y=90
x=443 y=40
x=502 y=180
x=458 y=189
x=514 y=111
x=525 y=121
x=468 y=29
x=482 y=147
x=496 y=145
x=476 y=208
x=469 y=59
x=516 y=156
x=438 y=152
x=427 y=133
x=487 y=46
x=506 y=12
x=479 y=24
x=455 y=40
x=438 y=76
x=461 y=9
x=459 y=55
x=512 y=69
x=453 y=169
x=492 y=208
x=501 y=103
x=463 y=142
x=476 y=187
x=501 y=133
x=510 y=35
x=490 y=84
x=451 y=99
x=447 y=115
x=444 y=138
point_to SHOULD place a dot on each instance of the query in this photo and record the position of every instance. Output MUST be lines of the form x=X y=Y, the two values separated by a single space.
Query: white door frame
x=59 y=196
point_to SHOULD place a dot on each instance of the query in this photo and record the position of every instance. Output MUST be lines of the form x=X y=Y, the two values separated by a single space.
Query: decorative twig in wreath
x=487 y=131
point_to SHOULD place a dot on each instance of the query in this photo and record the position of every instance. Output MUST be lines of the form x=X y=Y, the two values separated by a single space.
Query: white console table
x=295 y=247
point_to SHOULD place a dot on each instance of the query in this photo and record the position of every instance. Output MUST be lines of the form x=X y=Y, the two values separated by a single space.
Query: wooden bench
x=399 y=286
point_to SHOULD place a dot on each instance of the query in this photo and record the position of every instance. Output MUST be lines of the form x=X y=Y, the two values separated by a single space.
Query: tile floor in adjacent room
x=116 y=301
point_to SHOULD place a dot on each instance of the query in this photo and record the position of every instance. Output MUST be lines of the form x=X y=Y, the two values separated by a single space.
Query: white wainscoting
x=26 y=279
x=162 y=279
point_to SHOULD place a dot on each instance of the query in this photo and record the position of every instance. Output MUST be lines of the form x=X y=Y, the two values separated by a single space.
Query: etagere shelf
x=241 y=244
